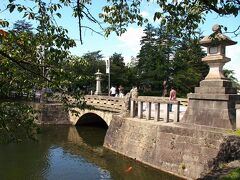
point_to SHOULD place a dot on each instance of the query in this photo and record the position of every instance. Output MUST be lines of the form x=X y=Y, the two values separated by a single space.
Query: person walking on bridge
x=112 y=91
x=172 y=97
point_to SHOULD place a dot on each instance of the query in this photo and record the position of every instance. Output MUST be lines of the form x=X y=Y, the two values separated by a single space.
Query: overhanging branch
x=20 y=64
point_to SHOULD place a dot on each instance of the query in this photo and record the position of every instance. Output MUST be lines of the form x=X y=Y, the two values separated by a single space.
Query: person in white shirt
x=112 y=91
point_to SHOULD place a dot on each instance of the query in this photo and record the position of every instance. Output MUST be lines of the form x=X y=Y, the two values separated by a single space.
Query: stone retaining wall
x=51 y=113
x=190 y=152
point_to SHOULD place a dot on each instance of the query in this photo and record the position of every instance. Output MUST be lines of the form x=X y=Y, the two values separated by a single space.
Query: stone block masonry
x=188 y=151
x=51 y=113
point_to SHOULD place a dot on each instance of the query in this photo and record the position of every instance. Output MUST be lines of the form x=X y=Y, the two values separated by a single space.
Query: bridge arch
x=92 y=119
x=88 y=115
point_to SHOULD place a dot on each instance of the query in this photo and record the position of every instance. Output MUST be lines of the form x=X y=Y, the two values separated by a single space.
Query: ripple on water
x=63 y=165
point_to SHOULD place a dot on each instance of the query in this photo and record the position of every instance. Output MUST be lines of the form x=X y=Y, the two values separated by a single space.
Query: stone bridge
x=102 y=108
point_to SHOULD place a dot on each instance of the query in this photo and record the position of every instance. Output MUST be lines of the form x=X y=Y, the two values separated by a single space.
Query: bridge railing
x=105 y=102
x=136 y=108
x=183 y=101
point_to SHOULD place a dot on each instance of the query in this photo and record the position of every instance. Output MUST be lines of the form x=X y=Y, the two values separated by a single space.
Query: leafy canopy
x=180 y=16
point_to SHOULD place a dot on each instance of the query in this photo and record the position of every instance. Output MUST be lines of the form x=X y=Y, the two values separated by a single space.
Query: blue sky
x=129 y=43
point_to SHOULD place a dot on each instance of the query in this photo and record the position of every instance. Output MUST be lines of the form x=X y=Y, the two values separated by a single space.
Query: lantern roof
x=217 y=38
x=98 y=72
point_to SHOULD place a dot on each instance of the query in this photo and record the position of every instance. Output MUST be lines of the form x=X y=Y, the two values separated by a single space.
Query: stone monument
x=213 y=103
x=98 y=83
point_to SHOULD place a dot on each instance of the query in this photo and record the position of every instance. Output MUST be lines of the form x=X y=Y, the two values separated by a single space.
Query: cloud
x=233 y=52
x=130 y=41
x=145 y=14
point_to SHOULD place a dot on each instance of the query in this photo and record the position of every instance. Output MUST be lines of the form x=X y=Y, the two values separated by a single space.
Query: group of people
x=116 y=91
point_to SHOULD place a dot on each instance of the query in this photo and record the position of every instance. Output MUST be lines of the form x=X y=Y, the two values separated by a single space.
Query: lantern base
x=220 y=86
x=212 y=104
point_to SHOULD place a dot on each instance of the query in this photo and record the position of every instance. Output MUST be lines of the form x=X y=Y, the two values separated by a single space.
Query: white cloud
x=233 y=52
x=145 y=14
x=130 y=42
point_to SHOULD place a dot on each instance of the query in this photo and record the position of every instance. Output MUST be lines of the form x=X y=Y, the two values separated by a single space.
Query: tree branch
x=92 y=30
x=79 y=21
x=235 y=31
x=20 y=65
x=90 y=16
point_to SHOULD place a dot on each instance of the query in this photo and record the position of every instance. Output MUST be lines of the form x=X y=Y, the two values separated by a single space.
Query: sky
x=129 y=43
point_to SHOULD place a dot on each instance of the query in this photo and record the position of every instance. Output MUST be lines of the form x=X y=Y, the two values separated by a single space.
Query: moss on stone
x=235 y=132
x=232 y=175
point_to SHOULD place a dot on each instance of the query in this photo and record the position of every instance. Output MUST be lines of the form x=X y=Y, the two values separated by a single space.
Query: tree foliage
x=33 y=60
x=165 y=57
x=151 y=60
x=187 y=67
x=16 y=122
x=118 y=70
x=179 y=16
x=230 y=75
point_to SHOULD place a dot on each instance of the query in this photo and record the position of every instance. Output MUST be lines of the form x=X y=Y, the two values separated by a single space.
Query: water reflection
x=70 y=153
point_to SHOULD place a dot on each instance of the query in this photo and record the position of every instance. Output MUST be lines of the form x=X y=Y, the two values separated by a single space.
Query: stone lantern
x=213 y=103
x=98 y=83
x=216 y=44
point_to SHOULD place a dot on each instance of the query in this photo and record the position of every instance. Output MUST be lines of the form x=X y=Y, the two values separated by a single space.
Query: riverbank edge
x=188 y=151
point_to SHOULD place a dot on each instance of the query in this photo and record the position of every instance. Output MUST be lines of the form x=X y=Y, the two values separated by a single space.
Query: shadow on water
x=91 y=128
x=68 y=152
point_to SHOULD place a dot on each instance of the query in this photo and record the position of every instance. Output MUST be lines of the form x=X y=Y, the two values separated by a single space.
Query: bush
x=16 y=122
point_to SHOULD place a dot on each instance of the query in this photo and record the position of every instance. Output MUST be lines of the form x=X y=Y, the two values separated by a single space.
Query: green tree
x=187 y=67
x=147 y=56
x=230 y=75
x=153 y=58
x=131 y=74
x=118 y=70
x=178 y=16
x=76 y=76
x=22 y=26
x=166 y=57
x=16 y=122
x=21 y=58
x=96 y=62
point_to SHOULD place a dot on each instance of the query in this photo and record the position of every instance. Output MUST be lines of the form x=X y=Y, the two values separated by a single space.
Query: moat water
x=71 y=153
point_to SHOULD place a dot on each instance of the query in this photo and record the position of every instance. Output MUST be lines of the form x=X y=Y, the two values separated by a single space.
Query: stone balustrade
x=183 y=101
x=136 y=108
x=109 y=103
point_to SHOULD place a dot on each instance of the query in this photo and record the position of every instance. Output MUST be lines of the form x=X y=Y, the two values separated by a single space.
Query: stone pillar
x=148 y=110
x=213 y=103
x=166 y=112
x=176 y=109
x=132 y=108
x=157 y=111
x=98 y=83
x=238 y=116
x=140 y=109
